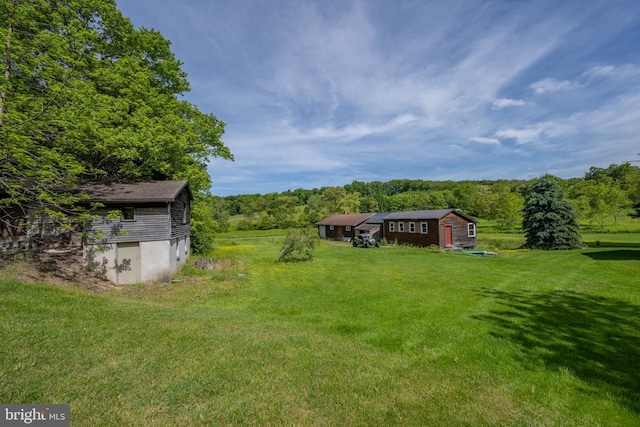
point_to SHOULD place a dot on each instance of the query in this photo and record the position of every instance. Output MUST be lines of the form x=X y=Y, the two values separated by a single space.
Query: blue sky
x=321 y=92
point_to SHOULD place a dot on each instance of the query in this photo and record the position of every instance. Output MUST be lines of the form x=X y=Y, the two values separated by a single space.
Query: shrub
x=299 y=244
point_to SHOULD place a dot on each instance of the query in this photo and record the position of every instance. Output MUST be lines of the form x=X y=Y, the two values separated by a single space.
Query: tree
x=501 y=205
x=299 y=244
x=606 y=200
x=84 y=95
x=550 y=222
x=315 y=210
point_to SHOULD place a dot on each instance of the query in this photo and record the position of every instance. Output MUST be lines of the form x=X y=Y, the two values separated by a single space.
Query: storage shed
x=373 y=226
x=143 y=234
x=447 y=228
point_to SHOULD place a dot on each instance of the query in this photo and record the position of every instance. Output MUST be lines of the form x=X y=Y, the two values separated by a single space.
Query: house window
x=128 y=214
x=424 y=227
x=348 y=228
x=392 y=226
x=331 y=227
x=401 y=227
x=412 y=227
x=472 y=229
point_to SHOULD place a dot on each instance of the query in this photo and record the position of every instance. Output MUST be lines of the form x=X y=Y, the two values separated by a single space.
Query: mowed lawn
x=387 y=336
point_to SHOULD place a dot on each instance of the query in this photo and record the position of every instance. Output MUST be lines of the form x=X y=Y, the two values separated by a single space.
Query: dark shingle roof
x=377 y=218
x=426 y=214
x=346 y=219
x=133 y=192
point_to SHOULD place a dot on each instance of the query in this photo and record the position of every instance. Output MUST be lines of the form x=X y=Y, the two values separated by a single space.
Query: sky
x=319 y=93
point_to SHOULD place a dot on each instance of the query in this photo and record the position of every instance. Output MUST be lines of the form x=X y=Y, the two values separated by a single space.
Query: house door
x=448 y=235
x=128 y=263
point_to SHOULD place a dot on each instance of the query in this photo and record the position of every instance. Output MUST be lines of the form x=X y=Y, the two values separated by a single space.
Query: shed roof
x=426 y=214
x=368 y=227
x=134 y=192
x=346 y=219
x=377 y=218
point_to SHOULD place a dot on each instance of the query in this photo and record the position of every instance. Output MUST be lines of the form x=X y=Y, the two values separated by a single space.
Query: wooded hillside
x=601 y=196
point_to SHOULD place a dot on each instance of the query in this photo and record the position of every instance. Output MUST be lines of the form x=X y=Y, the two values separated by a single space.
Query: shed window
x=424 y=227
x=331 y=227
x=401 y=227
x=392 y=226
x=472 y=229
x=185 y=213
x=128 y=214
x=348 y=228
x=412 y=227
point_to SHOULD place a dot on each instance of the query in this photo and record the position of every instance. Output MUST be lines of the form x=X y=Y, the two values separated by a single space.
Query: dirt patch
x=55 y=266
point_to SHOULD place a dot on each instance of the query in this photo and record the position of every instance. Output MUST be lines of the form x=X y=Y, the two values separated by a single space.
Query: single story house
x=341 y=226
x=447 y=228
x=143 y=234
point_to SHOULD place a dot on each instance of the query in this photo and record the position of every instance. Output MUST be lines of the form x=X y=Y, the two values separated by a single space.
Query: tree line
x=601 y=196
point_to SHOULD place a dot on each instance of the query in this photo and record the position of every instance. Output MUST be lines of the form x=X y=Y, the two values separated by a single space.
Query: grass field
x=388 y=336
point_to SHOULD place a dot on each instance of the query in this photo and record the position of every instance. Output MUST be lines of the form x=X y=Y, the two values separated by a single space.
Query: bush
x=299 y=245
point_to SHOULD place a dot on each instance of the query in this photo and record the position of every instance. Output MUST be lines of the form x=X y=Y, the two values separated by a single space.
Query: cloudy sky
x=324 y=92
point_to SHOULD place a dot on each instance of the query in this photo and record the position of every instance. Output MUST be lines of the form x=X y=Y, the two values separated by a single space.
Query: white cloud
x=482 y=140
x=552 y=85
x=620 y=72
x=538 y=132
x=501 y=103
x=600 y=71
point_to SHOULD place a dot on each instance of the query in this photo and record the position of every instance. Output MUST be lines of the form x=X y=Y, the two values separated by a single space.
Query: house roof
x=134 y=192
x=346 y=219
x=426 y=214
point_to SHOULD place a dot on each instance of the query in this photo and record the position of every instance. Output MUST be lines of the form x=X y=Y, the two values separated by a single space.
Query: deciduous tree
x=83 y=94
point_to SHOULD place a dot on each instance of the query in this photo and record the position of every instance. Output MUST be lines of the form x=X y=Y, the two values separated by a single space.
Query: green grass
x=388 y=336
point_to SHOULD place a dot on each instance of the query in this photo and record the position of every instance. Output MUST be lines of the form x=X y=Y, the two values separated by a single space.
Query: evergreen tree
x=550 y=222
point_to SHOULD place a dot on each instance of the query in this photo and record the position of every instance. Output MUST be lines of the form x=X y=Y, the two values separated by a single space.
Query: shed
x=447 y=228
x=341 y=226
x=373 y=225
x=13 y=227
x=143 y=233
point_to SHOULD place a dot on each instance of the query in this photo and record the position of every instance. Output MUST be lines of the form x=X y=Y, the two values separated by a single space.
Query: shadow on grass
x=596 y=338
x=615 y=255
x=601 y=244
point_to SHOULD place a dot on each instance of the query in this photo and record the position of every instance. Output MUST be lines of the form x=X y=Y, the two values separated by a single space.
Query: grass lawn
x=386 y=336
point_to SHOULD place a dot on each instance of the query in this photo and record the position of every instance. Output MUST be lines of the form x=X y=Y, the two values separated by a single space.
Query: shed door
x=128 y=263
x=323 y=231
x=448 y=235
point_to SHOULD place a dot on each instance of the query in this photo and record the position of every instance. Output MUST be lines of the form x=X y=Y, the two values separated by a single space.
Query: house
x=444 y=228
x=341 y=226
x=373 y=225
x=143 y=230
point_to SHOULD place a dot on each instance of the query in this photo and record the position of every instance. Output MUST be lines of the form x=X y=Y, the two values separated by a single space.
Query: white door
x=322 y=230
x=128 y=263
